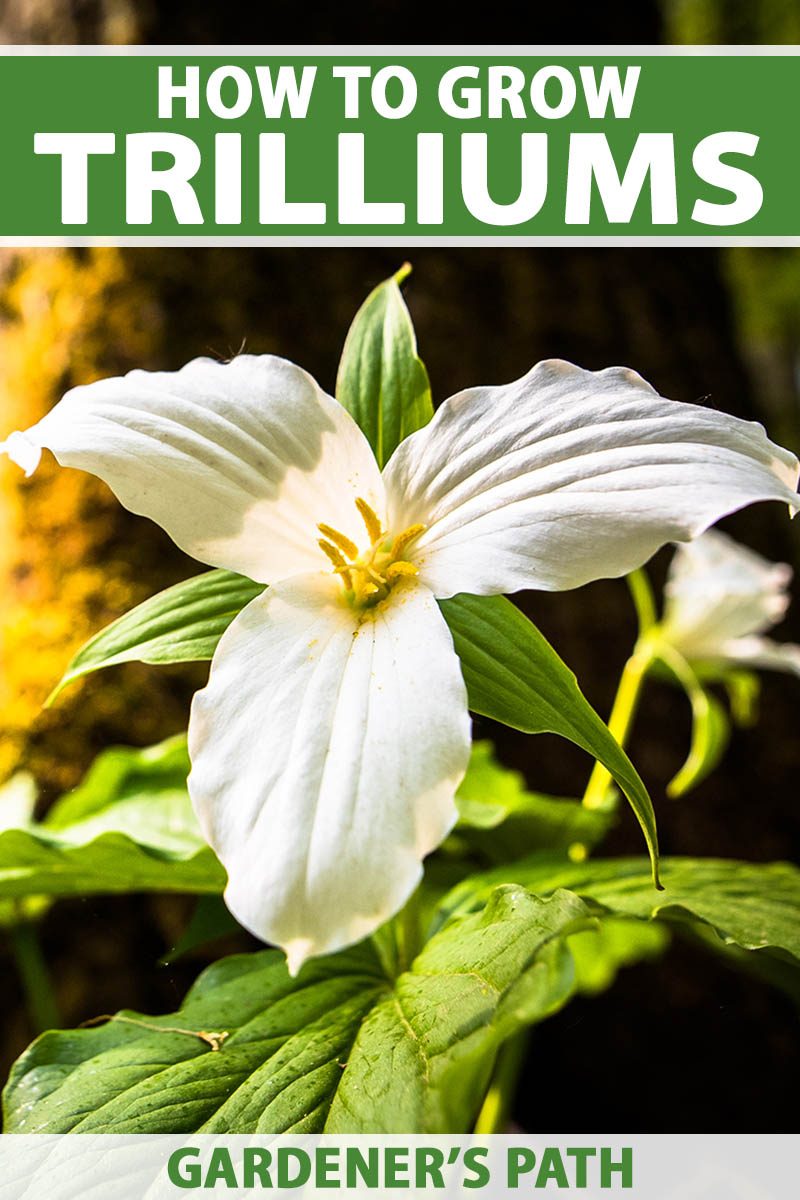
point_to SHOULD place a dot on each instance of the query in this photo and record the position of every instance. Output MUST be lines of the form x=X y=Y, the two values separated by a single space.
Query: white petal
x=238 y=461
x=763 y=653
x=326 y=754
x=717 y=590
x=22 y=451
x=570 y=475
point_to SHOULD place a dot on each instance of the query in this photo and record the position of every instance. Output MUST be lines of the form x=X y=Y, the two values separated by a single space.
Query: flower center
x=369 y=577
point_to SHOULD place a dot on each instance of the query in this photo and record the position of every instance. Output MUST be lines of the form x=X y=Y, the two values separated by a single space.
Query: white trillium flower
x=720 y=598
x=332 y=736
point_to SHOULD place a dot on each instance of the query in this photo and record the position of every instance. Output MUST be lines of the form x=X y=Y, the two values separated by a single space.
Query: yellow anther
x=403 y=539
x=397 y=570
x=370 y=519
x=345 y=545
x=338 y=561
x=368 y=576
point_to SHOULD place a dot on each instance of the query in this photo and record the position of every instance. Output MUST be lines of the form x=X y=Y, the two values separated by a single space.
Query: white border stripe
x=326 y=241
x=251 y=51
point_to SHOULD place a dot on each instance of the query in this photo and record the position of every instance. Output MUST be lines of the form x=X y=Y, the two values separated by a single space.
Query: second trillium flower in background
x=332 y=736
x=720 y=599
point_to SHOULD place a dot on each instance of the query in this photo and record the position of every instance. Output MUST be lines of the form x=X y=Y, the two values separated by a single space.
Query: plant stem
x=496 y=1107
x=630 y=684
x=643 y=600
x=621 y=719
x=41 y=1003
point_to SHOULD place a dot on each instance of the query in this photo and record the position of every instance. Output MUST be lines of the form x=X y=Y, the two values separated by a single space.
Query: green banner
x=159 y=144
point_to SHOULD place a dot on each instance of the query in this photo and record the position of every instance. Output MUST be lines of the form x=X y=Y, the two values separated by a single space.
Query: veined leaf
x=514 y=675
x=752 y=905
x=381 y=381
x=341 y=1047
x=182 y=624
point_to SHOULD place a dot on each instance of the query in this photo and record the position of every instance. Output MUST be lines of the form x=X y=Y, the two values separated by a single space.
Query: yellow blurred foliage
x=71 y=559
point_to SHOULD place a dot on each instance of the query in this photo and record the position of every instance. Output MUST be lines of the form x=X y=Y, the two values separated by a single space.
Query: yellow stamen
x=345 y=545
x=402 y=540
x=369 y=576
x=339 y=563
x=370 y=519
x=397 y=570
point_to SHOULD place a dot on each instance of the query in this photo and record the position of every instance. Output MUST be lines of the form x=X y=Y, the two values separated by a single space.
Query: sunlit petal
x=238 y=461
x=326 y=751
x=568 y=475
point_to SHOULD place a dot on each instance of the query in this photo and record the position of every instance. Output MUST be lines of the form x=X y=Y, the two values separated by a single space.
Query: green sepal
x=181 y=624
x=381 y=381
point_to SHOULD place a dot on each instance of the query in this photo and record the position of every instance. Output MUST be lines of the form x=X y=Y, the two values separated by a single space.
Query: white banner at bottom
x=643 y=1166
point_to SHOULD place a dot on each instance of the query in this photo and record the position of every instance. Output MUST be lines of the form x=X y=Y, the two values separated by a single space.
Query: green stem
x=496 y=1107
x=41 y=1003
x=643 y=600
x=621 y=719
x=626 y=700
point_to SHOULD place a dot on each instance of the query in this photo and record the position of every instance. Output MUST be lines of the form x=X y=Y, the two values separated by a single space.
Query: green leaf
x=777 y=970
x=340 y=1047
x=129 y=827
x=424 y=1055
x=381 y=381
x=182 y=624
x=614 y=942
x=210 y=921
x=514 y=675
x=710 y=736
x=752 y=905
x=275 y=1072
x=502 y=820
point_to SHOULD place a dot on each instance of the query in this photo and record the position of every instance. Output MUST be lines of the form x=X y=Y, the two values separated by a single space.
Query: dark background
x=684 y=1044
